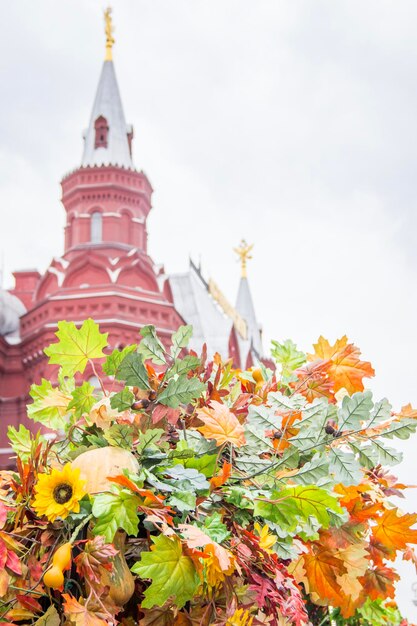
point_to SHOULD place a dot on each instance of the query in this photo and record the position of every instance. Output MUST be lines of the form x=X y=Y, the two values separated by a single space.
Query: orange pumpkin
x=98 y=464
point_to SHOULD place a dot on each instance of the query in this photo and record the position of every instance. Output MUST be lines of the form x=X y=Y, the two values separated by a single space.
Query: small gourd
x=54 y=577
x=96 y=465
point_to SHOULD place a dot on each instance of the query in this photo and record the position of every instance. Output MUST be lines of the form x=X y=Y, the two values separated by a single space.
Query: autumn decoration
x=173 y=490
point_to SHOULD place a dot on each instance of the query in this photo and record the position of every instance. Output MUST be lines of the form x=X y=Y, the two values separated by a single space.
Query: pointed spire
x=108 y=138
x=246 y=308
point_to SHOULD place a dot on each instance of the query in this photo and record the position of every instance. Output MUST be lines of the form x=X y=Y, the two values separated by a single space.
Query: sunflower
x=59 y=493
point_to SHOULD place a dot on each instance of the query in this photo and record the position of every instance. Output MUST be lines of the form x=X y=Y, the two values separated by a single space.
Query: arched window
x=96 y=233
x=102 y=131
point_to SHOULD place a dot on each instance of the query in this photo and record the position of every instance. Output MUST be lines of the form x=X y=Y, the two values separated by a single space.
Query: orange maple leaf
x=410 y=555
x=378 y=582
x=220 y=561
x=79 y=614
x=394 y=531
x=313 y=381
x=221 y=425
x=322 y=569
x=346 y=370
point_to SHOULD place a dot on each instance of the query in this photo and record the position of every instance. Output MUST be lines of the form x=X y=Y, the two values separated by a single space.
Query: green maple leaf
x=173 y=575
x=22 y=442
x=112 y=363
x=287 y=355
x=181 y=391
x=49 y=406
x=133 y=371
x=294 y=504
x=76 y=346
x=114 y=510
x=83 y=399
x=214 y=528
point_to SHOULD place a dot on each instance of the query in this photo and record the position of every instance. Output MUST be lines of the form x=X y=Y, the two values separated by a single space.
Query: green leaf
x=173 y=575
x=76 y=346
x=186 y=478
x=122 y=400
x=345 y=468
x=149 y=439
x=279 y=402
x=380 y=413
x=312 y=471
x=133 y=371
x=294 y=504
x=287 y=355
x=151 y=347
x=183 y=366
x=181 y=391
x=402 y=429
x=180 y=340
x=214 y=528
x=112 y=363
x=21 y=441
x=183 y=501
x=120 y=436
x=114 y=510
x=50 y=405
x=376 y=453
x=355 y=410
x=205 y=464
x=82 y=399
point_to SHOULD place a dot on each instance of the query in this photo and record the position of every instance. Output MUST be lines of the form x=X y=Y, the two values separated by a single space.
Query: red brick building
x=105 y=271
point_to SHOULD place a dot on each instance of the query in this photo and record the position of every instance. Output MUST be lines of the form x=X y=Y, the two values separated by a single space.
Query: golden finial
x=243 y=252
x=109 y=29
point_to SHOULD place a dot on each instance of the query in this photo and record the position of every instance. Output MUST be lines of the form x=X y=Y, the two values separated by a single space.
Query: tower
x=105 y=271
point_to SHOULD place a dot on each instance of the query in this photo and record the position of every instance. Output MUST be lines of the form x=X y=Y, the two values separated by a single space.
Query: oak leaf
x=221 y=425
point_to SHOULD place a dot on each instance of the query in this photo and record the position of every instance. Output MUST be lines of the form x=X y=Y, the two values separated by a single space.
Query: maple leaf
x=96 y=556
x=173 y=575
x=346 y=370
x=378 y=582
x=49 y=406
x=220 y=561
x=76 y=346
x=322 y=568
x=221 y=425
x=157 y=617
x=313 y=381
x=79 y=614
x=394 y=531
x=410 y=555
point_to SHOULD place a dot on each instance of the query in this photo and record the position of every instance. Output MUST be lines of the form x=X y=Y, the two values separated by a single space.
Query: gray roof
x=245 y=307
x=11 y=308
x=194 y=303
x=108 y=104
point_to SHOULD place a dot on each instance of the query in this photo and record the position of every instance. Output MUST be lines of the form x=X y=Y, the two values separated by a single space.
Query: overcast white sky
x=291 y=123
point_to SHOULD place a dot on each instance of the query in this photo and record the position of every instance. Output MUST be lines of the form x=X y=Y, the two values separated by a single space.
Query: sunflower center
x=62 y=493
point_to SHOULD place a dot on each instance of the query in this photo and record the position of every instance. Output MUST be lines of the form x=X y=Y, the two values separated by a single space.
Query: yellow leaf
x=221 y=425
